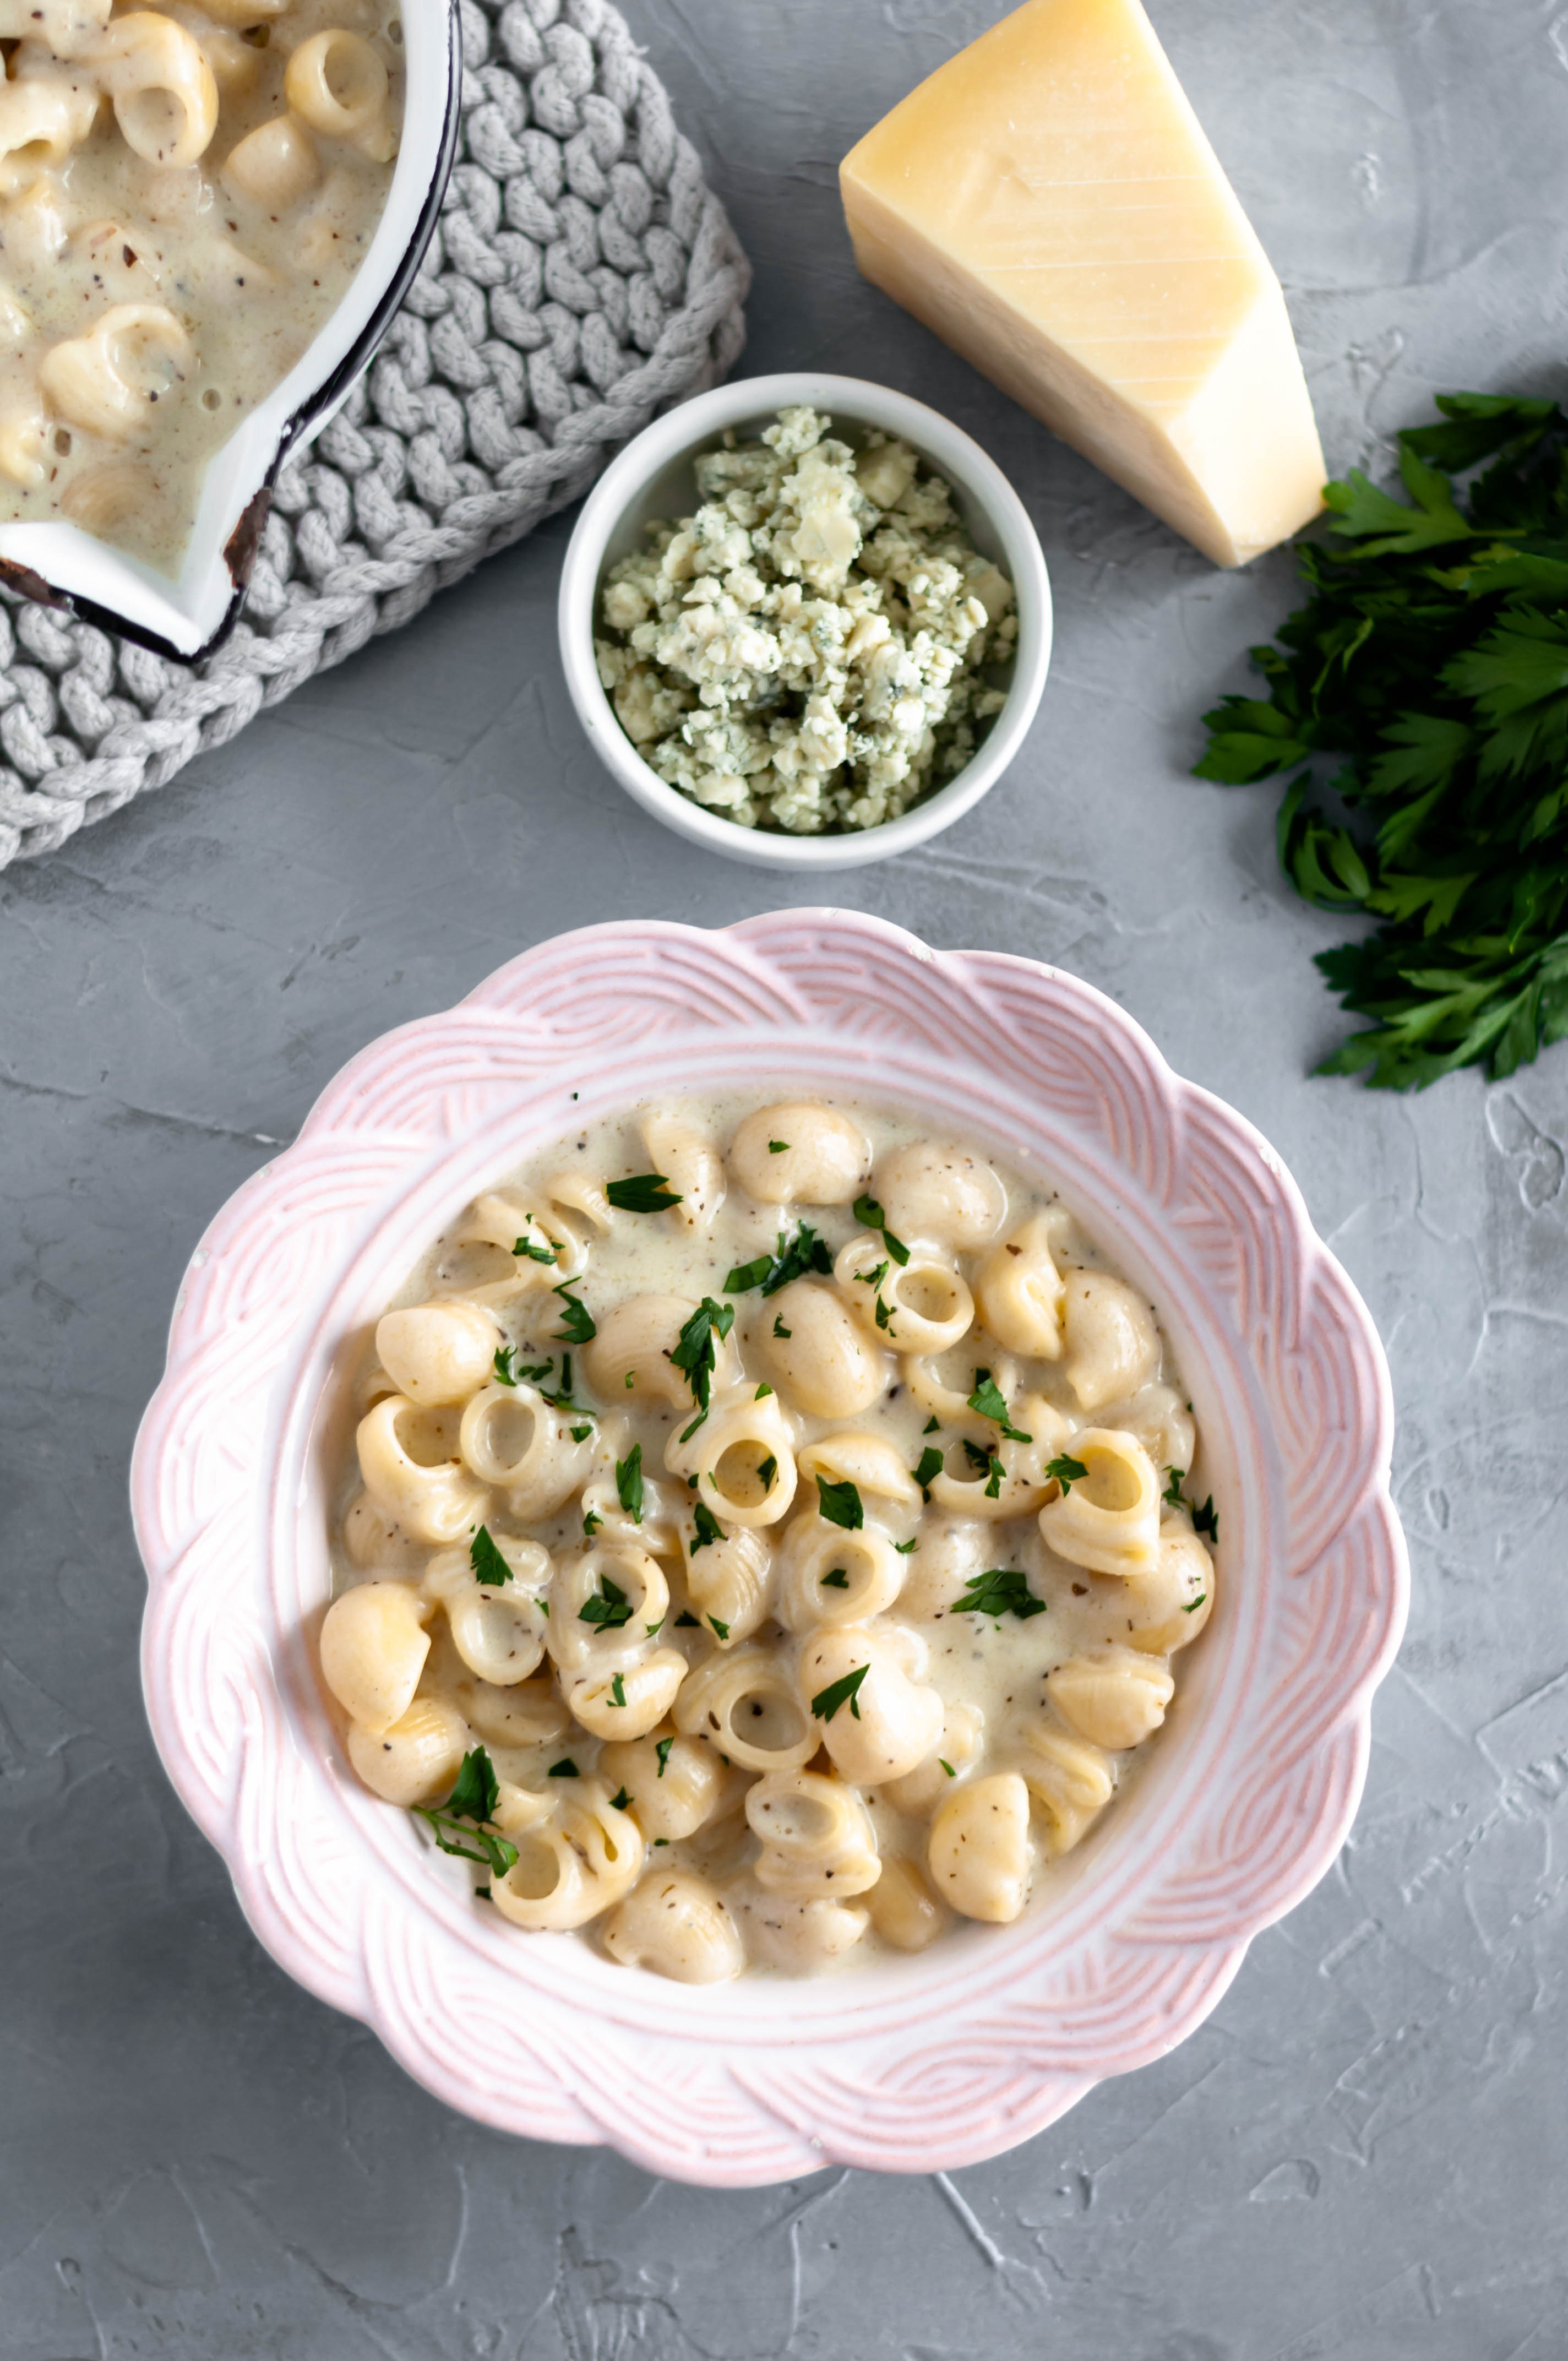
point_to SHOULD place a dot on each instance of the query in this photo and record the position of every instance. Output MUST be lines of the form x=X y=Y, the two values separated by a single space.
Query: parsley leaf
x=868 y=1211
x=974 y=1454
x=645 y=1193
x=708 y=1528
x=619 y=1800
x=579 y=1328
x=1193 y=1605
x=777 y=1147
x=825 y=1703
x=904 y=1548
x=795 y=1257
x=841 y=1504
x=779 y=1328
x=608 y=1608
x=685 y=1621
x=591 y=1523
x=1068 y=1471
x=1002 y=1590
x=947 y=1766
x=838 y=1580
x=930 y=1426
x=471 y=1803
x=722 y=1629
x=989 y=1401
x=505 y=1374
x=536 y=1250
x=564 y=1769
x=618 y=1689
x=767 y=1469
x=628 y=1483
x=661 y=1749
x=695 y=1354
x=1423 y=685
x=1205 y=1519
x=489 y=1567
x=930 y=1464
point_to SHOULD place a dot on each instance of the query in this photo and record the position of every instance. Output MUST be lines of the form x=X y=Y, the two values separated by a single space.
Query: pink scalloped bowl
x=924 y=2063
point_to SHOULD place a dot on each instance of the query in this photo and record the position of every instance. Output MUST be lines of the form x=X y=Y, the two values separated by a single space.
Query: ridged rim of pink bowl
x=925 y=2064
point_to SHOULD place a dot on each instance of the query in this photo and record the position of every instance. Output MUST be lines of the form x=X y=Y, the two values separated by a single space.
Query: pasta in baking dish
x=185 y=193
x=768 y=1534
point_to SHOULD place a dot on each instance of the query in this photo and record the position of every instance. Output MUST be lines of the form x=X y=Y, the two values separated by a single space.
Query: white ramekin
x=653 y=478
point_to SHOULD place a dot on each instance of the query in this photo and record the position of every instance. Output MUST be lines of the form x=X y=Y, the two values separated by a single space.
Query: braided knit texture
x=582 y=278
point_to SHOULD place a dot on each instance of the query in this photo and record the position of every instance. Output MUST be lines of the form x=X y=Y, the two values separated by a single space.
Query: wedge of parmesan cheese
x=1048 y=204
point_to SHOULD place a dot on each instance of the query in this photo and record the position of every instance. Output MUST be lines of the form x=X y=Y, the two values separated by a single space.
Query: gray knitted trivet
x=582 y=278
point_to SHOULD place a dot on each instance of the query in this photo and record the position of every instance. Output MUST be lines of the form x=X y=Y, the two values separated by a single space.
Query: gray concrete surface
x=1362 y=2154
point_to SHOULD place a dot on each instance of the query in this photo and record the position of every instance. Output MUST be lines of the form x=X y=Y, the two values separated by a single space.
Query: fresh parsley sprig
x=579 y=1328
x=1424 y=687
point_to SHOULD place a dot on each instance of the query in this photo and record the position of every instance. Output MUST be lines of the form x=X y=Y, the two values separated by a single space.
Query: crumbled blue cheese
x=809 y=651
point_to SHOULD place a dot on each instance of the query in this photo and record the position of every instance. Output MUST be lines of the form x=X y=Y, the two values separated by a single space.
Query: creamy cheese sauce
x=1035 y=1695
x=151 y=295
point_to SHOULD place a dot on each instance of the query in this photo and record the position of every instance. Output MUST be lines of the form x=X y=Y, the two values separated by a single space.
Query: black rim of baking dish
x=240 y=550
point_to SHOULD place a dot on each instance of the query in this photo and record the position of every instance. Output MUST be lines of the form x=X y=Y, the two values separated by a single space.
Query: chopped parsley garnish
x=535 y=1251
x=989 y=1401
x=795 y=1257
x=993 y=1481
x=873 y=1278
x=502 y=1365
x=884 y=1314
x=838 y=1580
x=868 y=1211
x=659 y=1626
x=722 y=1629
x=761 y=1393
x=777 y=1147
x=628 y=1483
x=1068 y=1471
x=1205 y=1519
x=619 y=1800
x=579 y=1328
x=697 y=1355
x=618 y=1689
x=768 y=1469
x=471 y=1804
x=592 y=1520
x=581 y=1434
x=564 y=1769
x=930 y=1465
x=841 y=1504
x=645 y=1193
x=608 y=1608
x=685 y=1621
x=779 y=1328
x=1002 y=1590
x=661 y=1749
x=825 y=1703
x=489 y=1567
x=947 y=1766
x=930 y=1426
x=1191 y=1609
x=708 y=1528
x=904 y=1548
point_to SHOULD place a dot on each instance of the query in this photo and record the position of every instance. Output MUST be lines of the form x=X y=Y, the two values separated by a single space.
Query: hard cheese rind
x=1047 y=203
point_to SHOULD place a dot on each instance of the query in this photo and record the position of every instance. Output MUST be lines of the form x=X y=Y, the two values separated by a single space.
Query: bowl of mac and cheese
x=208 y=214
x=805 y=620
x=798 y=1533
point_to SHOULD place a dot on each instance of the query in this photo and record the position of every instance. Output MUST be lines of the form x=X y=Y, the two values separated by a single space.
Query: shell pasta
x=766 y=1539
x=185 y=193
